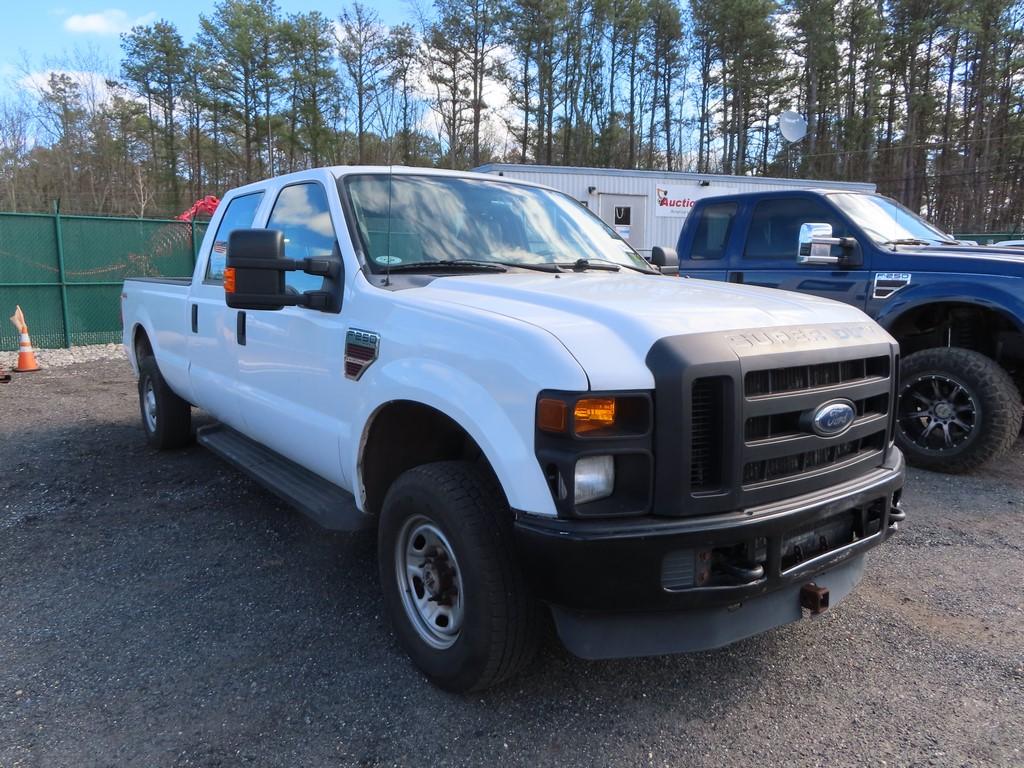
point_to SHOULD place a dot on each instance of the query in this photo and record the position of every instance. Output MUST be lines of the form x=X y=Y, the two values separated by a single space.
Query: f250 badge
x=887 y=283
x=361 y=348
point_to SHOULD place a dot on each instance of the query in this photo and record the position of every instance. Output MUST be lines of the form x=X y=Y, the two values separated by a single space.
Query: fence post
x=192 y=225
x=60 y=273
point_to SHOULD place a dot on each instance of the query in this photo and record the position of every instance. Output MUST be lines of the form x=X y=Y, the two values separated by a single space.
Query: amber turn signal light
x=552 y=415
x=593 y=413
x=229 y=280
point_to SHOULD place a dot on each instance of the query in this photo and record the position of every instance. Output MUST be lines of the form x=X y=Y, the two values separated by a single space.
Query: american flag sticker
x=220 y=247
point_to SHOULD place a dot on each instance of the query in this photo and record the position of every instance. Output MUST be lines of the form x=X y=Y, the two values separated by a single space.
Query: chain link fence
x=66 y=271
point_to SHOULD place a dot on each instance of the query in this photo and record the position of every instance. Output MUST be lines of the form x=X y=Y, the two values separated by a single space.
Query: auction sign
x=676 y=200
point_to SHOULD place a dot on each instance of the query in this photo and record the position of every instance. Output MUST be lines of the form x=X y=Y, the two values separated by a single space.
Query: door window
x=302 y=213
x=240 y=214
x=775 y=226
x=713 y=231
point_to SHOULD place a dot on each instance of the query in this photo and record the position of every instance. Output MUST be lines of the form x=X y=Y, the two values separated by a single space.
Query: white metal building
x=647 y=208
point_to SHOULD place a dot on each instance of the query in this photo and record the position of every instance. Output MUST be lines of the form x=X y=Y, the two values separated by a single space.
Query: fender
x=934 y=289
x=503 y=430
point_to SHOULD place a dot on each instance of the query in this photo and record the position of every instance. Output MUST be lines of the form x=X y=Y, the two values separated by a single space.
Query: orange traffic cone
x=26 y=355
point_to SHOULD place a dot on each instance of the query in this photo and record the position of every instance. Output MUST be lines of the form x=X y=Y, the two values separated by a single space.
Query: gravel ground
x=161 y=609
x=60 y=358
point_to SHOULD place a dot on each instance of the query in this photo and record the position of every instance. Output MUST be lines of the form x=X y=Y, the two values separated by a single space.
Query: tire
x=166 y=418
x=492 y=628
x=957 y=409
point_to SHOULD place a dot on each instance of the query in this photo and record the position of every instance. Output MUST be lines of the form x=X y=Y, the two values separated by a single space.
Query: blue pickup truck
x=957 y=309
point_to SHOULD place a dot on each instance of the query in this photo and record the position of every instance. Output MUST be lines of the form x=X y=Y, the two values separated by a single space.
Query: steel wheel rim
x=430 y=582
x=149 y=405
x=938 y=413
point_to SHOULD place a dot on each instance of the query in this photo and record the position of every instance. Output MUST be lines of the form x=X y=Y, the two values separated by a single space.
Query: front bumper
x=596 y=574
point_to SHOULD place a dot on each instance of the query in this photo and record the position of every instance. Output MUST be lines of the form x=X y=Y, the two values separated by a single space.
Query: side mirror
x=254 y=274
x=665 y=259
x=815 y=246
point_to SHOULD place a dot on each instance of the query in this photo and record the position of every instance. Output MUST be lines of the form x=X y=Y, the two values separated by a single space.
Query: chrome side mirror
x=816 y=243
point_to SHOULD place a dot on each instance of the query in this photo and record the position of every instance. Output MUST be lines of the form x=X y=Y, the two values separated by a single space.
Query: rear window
x=240 y=214
x=713 y=231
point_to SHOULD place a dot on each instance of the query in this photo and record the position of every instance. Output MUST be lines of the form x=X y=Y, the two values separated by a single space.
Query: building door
x=627 y=215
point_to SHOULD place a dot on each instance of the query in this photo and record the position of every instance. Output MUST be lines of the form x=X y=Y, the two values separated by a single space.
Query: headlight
x=595 y=478
x=623 y=416
x=596 y=451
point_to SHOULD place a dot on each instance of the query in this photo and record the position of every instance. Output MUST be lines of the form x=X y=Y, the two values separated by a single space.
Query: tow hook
x=814 y=598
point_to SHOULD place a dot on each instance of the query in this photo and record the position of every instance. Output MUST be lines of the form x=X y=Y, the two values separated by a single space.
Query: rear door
x=704 y=242
x=212 y=349
x=769 y=250
x=291 y=361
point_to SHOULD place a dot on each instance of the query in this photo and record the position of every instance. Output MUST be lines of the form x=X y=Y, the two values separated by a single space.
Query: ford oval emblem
x=833 y=418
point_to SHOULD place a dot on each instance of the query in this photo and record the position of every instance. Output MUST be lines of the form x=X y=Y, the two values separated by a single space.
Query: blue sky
x=56 y=29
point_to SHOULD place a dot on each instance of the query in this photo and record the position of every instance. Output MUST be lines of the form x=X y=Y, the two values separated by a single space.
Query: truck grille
x=754 y=443
x=808 y=461
x=795 y=378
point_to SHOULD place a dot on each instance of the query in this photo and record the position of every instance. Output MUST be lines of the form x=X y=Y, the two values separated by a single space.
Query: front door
x=211 y=348
x=627 y=215
x=291 y=361
x=768 y=255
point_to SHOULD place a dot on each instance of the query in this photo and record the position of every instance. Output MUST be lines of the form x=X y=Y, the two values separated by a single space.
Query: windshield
x=403 y=220
x=885 y=220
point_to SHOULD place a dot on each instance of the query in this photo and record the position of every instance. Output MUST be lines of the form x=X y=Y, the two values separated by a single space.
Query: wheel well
x=957 y=324
x=141 y=345
x=404 y=434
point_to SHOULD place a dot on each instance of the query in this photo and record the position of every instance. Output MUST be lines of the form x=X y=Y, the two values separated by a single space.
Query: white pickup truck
x=531 y=417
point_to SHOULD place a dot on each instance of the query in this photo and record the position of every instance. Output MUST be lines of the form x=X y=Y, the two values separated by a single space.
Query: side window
x=240 y=214
x=713 y=231
x=302 y=213
x=775 y=226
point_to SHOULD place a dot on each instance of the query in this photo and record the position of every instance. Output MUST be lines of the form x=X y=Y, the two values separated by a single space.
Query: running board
x=327 y=504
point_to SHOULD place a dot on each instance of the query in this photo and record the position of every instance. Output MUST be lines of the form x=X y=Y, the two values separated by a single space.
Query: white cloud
x=92 y=86
x=112 y=21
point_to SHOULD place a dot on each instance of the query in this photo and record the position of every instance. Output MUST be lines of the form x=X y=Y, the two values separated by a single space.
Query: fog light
x=595 y=478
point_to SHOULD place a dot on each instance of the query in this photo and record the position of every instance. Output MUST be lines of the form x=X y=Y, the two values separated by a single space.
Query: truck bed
x=186 y=281
x=160 y=304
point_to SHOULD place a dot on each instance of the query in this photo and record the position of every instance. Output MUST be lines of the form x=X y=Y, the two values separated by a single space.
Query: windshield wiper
x=606 y=265
x=539 y=266
x=456 y=265
x=581 y=265
x=907 y=241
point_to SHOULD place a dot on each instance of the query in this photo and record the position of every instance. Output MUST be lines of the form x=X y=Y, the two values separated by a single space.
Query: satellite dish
x=792 y=125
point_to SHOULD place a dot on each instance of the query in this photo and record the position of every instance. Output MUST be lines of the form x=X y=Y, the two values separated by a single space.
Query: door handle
x=240 y=328
x=195 y=318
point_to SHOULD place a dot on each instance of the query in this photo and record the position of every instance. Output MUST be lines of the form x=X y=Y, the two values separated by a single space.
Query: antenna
x=387 y=273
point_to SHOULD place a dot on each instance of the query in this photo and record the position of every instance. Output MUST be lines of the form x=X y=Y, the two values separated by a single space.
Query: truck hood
x=608 y=321
x=970 y=259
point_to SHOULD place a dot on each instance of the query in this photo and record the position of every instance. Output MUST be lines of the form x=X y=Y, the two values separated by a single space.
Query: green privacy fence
x=987 y=238
x=66 y=271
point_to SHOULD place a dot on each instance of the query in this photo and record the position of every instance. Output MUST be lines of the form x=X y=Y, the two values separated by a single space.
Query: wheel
x=452 y=587
x=166 y=418
x=957 y=409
